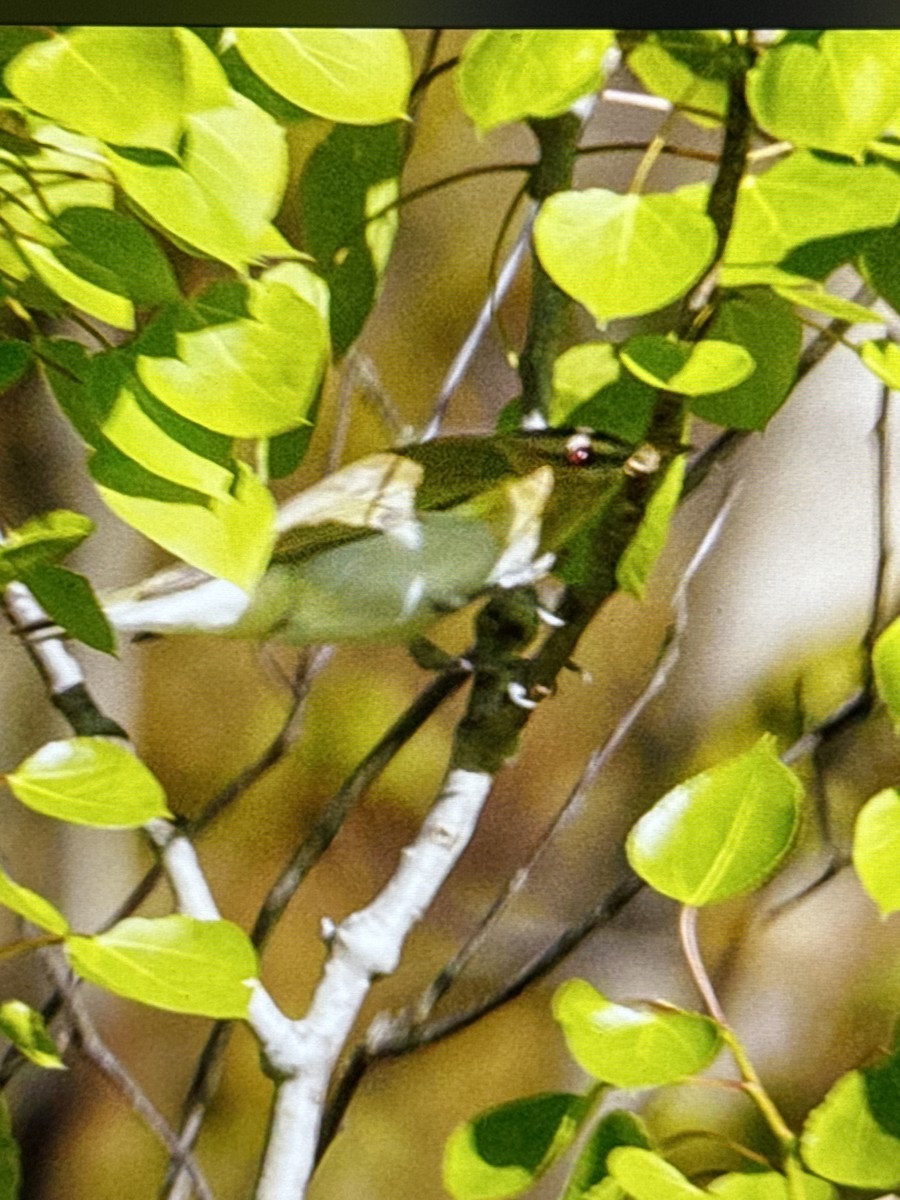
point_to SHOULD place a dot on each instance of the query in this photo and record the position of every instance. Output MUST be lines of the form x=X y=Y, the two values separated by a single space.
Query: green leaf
x=722 y=832
x=14 y=38
x=249 y=84
x=27 y=1030
x=618 y=1128
x=131 y=87
x=43 y=539
x=68 y=599
x=819 y=299
x=675 y=63
x=246 y=378
x=876 y=843
x=835 y=96
x=578 y=374
x=231 y=537
x=357 y=76
x=882 y=1082
x=621 y=256
x=818 y=258
x=507 y=75
x=31 y=906
x=144 y=430
x=30 y=554
x=803 y=198
x=767 y=326
x=629 y=1047
x=842 y=1141
x=502 y=1151
x=10 y=1169
x=220 y=197
x=96 y=301
x=882 y=357
x=880 y=265
x=768 y=1185
x=15 y=359
x=116 y=252
x=646 y=1176
x=61 y=163
x=591 y=389
x=349 y=177
x=690 y=368
x=634 y=567
x=177 y=963
x=89 y=781
x=886 y=666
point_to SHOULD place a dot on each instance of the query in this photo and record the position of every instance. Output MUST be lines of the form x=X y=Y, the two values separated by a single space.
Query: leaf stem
x=25 y=945
x=751 y=1082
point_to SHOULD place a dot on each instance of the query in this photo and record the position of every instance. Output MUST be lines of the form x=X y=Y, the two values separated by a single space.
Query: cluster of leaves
x=90 y=180
x=715 y=836
x=175 y=962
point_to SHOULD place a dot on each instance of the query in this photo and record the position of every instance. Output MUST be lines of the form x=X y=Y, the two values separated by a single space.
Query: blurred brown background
x=776 y=615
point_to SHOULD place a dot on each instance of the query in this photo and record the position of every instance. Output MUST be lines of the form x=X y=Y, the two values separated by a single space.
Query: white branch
x=365 y=945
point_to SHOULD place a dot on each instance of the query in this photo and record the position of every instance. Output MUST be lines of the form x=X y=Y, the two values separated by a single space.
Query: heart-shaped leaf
x=502 y=1152
x=621 y=256
x=130 y=87
x=837 y=95
x=508 y=74
x=876 y=846
x=358 y=76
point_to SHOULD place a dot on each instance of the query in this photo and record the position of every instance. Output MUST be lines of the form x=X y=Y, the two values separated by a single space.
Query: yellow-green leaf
x=876 y=849
x=622 y=256
x=27 y=1030
x=882 y=357
x=253 y=377
x=128 y=86
x=359 y=76
x=632 y=1047
x=886 y=666
x=89 y=781
x=722 y=832
x=836 y=95
x=31 y=906
x=508 y=74
x=177 y=963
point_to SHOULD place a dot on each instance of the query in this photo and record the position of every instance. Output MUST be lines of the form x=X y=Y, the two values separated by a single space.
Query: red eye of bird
x=579 y=451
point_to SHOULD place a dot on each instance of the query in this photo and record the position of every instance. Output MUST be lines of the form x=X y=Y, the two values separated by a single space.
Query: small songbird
x=383 y=547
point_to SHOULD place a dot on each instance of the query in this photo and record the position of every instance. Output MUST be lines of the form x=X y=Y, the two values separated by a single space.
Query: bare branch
x=99 y=1054
x=466 y=354
x=596 y=763
x=365 y=945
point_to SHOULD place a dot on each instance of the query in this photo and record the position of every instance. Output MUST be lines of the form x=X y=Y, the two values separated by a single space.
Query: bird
x=380 y=549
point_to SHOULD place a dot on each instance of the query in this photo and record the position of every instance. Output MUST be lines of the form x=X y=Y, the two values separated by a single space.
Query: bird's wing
x=375 y=494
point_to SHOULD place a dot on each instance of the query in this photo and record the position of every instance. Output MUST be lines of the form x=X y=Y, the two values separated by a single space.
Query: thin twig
x=596 y=763
x=336 y=810
x=878 y=616
x=99 y=1054
x=304 y=857
x=427 y=69
x=308 y=670
x=466 y=354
